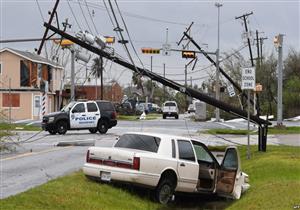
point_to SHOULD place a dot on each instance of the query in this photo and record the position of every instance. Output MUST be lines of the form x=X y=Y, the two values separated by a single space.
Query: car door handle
x=97 y=114
x=182 y=164
x=83 y=115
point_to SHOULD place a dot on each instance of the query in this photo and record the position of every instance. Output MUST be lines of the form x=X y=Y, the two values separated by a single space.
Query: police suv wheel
x=102 y=127
x=52 y=132
x=93 y=130
x=61 y=127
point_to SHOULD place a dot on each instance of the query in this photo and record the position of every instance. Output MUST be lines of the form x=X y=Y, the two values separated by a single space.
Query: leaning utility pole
x=244 y=17
x=278 y=41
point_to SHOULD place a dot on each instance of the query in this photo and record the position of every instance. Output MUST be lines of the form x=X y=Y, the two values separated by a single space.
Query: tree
x=97 y=71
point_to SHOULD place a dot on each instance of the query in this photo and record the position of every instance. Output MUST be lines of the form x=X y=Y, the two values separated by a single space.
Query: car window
x=91 y=107
x=170 y=104
x=173 y=149
x=79 y=108
x=105 y=106
x=186 y=151
x=202 y=154
x=140 y=142
x=230 y=159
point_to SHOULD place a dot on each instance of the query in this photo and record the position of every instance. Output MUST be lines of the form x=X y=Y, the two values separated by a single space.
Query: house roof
x=32 y=57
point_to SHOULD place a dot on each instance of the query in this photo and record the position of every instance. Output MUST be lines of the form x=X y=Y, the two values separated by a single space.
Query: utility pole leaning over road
x=278 y=41
x=218 y=5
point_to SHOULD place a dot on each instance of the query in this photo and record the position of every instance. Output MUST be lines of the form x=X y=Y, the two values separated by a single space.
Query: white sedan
x=167 y=164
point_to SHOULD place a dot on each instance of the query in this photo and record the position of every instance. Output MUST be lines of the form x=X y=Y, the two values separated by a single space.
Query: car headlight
x=51 y=119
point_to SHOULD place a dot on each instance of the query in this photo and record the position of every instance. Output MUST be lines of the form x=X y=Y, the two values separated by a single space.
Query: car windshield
x=68 y=107
x=140 y=142
x=170 y=104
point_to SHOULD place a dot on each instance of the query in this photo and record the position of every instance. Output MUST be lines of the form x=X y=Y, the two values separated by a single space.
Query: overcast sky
x=147 y=22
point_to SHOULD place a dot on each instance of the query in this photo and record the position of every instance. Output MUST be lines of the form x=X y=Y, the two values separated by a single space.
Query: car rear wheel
x=102 y=127
x=93 y=130
x=164 y=116
x=176 y=116
x=62 y=127
x=165 y=191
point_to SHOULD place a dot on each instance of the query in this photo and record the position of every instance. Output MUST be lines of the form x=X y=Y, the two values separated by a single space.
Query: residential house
x=21 y=74
x=112 y=92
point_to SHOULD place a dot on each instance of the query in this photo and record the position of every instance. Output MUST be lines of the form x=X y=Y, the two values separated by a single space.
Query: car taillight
x=136 y=163
x=114 y=115
x=88 y=156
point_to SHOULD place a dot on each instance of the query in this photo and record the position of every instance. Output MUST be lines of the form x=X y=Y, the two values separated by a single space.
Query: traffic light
x=150 y=51
x=188 y=54
x=64 y=42
x=109 y=39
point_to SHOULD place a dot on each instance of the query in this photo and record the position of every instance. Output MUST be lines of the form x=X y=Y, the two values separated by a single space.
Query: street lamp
x=218 y=5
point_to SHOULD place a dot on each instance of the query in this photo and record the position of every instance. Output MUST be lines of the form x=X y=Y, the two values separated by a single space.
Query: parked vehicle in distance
x=92 y=115
x=170 y=109
x=167 y=164
x=191 y=108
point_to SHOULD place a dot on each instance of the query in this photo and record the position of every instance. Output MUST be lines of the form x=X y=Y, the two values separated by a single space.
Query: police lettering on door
x=84 y=119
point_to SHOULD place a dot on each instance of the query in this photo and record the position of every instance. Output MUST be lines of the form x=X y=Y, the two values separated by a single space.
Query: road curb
x=76 y=143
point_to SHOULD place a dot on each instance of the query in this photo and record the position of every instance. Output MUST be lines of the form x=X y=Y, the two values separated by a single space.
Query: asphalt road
x=39 y=160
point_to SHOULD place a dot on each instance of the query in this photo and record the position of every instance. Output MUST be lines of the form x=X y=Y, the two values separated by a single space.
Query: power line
x=74 y=15
x=126 y=29
x=91 y=17
x=87 y=23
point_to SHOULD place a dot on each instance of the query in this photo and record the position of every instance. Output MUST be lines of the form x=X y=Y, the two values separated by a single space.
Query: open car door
x=229 y=179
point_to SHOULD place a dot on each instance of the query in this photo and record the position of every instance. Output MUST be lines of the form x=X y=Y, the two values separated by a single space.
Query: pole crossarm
x=167 y=82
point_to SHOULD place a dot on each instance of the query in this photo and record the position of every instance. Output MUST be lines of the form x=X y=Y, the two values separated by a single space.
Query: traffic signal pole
x=167 y=82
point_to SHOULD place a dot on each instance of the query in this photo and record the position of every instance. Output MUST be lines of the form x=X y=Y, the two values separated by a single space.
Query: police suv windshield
x=68 y=107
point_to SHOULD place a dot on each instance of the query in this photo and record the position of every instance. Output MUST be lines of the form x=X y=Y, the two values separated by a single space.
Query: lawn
x=271 y=130
x=23 y=127
x=274 y=179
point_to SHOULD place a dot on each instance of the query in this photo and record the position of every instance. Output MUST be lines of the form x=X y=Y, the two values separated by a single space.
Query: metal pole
x=10 y=102
x=72 y=75
x=164 y=85
x=279 y=83
x=248 y=135
x=151 y=60
x=185 y=85
x=218 y=5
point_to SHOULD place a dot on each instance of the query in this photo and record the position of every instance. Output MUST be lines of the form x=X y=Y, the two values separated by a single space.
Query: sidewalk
x=214 y=140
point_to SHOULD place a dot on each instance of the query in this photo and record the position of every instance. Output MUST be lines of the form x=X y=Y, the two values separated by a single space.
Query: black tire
x=62 y=127
x=93 y=130
x=102 y=127
x=176 y=116
x=52 y=132
x=164 y=116
x=164 y=191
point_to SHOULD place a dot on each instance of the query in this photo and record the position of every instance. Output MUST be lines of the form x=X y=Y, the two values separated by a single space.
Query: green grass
x=23 y=127
x=274 y=178
x=271 y=130
x=77 y=192
x=136 y=117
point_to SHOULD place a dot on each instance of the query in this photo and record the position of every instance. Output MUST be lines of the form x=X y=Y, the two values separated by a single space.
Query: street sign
x=166 y=49
x=248 y=78
x=230 y=90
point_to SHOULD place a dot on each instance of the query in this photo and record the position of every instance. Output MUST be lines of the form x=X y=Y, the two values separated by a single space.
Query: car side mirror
x=74 y=111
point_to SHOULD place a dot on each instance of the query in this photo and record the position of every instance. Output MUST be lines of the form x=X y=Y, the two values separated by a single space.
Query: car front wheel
x=62 y=127
x=165 y=191
x=52 y=132
x=93 y=130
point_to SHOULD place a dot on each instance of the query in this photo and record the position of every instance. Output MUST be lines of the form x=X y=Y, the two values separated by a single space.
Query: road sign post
x=248 y=83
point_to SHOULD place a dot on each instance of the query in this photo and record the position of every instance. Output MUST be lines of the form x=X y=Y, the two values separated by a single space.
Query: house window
x=24 y=74
x=12 y=100
x=0 y=68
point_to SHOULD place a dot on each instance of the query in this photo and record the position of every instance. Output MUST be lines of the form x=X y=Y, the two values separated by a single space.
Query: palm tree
x=97 y=71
